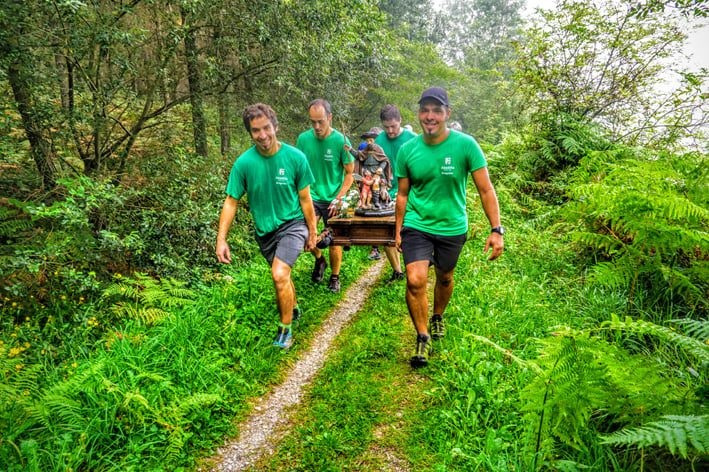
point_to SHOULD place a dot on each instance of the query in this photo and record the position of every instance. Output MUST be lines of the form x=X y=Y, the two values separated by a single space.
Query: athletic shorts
x=322 y=209
x=285 y=243
x=441 y=251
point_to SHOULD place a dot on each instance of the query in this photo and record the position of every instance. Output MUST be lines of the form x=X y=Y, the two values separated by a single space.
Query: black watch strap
x=498 y=229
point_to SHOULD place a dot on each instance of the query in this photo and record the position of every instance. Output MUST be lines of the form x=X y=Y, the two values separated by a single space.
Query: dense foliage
x=124 y=346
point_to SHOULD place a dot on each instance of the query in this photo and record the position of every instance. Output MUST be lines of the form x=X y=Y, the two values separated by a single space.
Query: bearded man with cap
x=431 y=218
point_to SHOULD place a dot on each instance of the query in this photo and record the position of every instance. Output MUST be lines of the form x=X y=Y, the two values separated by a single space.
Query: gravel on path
x=262 y=430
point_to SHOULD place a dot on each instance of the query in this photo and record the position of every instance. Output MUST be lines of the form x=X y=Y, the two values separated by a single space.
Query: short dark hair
x=256 y=110
x=390 y=112
x=321 y=102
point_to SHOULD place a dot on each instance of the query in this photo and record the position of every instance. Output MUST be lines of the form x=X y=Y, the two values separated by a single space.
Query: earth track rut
x=262 y=430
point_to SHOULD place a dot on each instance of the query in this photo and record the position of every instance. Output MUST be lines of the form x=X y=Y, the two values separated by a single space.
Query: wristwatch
x=498 y=229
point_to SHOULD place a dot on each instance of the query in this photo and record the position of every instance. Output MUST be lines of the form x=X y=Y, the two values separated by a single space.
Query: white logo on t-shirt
x=447 y=168
x=281 y=178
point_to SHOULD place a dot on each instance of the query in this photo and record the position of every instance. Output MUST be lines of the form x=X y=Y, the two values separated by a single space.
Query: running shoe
x=374 y=255
x=436 y=327
x=424 y=349
x=284 y=338
x=319 y=269
x=296 y=313
x=334 y=284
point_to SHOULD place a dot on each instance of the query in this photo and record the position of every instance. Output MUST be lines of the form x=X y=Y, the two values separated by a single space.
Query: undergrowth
x=163 y=384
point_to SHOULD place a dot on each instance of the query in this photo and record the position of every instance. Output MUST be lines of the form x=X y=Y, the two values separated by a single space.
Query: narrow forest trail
x=271 y=415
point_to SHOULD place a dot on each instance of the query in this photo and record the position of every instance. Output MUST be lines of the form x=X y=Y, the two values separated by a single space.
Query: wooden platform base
x=362 y=231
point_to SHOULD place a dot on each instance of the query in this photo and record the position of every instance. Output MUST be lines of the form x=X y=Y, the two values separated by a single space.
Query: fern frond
x=121 y=290
x=678 y=208
x=13 y=221
x=135 y=397
x=571 y=388
x=680 y=282
x=148 y=315
x=175 y=443
x=193 y=402
x=144 y=298
x=151 y=315
x=612 y=275
x=604 y=242
x=679 y=434
x=690 y=345
x=59 y=410
x=698 y=329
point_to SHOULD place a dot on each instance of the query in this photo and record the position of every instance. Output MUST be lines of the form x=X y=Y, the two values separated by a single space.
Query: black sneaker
x=296 y=313
x=374 y=255
x=396 y=276
x=334 y=284
x=319 y=269
x=436 y=327
x=424 y=349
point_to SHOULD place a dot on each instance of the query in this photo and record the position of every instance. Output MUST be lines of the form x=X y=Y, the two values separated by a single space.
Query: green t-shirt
x=271 y=184
x=391 y=149
x=327 y=158
x=437 y=177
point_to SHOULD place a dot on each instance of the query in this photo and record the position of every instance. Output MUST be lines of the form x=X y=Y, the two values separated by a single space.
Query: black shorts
x=322 y=209
x=285 y=243
x=442 y=251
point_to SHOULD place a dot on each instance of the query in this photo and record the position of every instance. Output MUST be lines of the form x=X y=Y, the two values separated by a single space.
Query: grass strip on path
x=262 y=429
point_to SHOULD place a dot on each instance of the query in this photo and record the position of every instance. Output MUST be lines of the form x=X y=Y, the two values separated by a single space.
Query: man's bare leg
x=393 y=258
x=442 y=291
x=335 y=259
x=285 y=290
x=417 y=295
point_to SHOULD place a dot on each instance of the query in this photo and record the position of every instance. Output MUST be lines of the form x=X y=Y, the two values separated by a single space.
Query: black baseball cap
x=435 y=93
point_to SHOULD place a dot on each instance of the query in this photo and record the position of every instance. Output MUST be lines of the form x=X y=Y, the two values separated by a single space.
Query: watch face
x=498 y=229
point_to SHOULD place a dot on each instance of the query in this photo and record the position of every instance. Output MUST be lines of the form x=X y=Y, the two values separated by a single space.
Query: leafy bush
x=590 y=386
x=536 y=164
x=643 y=216
x=175 y=208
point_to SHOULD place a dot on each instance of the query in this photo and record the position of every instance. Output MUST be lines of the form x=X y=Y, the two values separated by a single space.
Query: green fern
x=645 y=220
x=679 y=434
x=178 y=422
x=696 y=348
x=698 y=329
x=134 y=311
x=146 y=299
x=13 y=222
x=588 y=383
x=572 y=386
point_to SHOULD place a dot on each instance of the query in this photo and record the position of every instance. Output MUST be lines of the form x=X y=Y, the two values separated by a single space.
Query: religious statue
x=372 y=163
x=365 y=191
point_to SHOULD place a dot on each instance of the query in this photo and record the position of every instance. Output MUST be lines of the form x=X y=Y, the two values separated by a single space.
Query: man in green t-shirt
x=391 y=140
x=332 y=166
x=431 y=219
x=276 y=179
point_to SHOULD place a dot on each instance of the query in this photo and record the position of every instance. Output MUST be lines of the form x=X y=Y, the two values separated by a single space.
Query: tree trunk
x=195 y=85
x=62 y=76
x=224 y=123
x=40 y=147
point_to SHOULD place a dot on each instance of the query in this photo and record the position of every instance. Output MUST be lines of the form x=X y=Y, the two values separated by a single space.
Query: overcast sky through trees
x=697 y=45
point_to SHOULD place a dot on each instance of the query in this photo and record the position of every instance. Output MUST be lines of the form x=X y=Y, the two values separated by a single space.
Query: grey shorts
x=442 y=251
x=322 y=209
x=286 y=243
